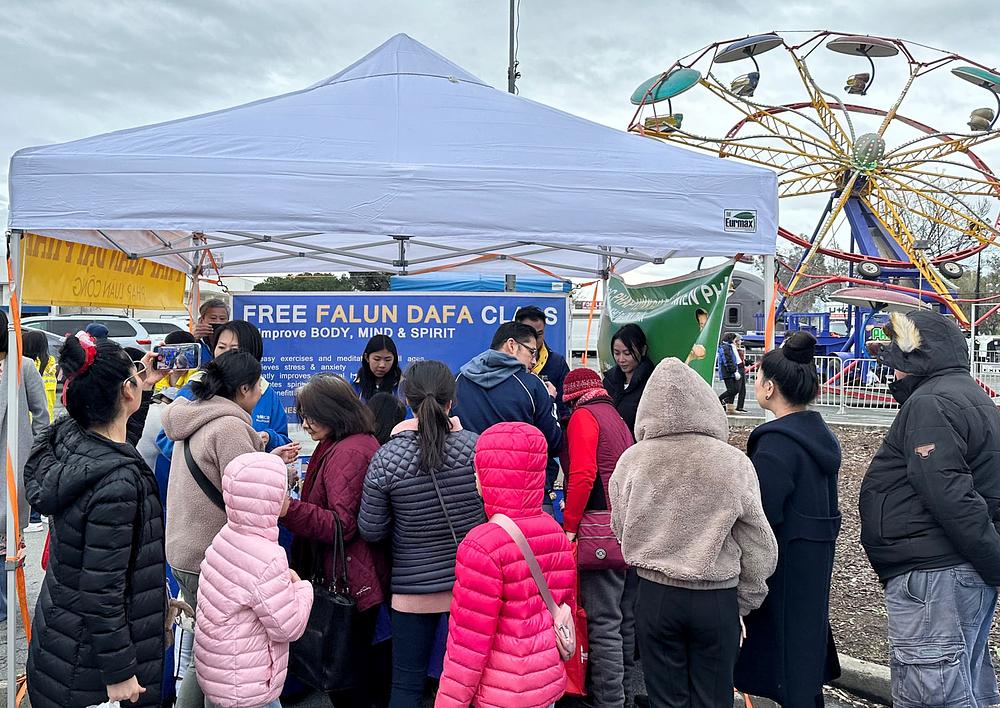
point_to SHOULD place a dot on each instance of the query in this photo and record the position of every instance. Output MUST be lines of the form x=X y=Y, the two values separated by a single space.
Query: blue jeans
x=412 y=642
x=939 y=623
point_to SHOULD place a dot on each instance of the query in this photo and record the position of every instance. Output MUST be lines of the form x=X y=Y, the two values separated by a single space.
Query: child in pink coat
x=250 y=604
x=501 y=642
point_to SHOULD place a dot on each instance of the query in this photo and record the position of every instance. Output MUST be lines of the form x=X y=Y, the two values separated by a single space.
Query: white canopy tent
x=401 y=162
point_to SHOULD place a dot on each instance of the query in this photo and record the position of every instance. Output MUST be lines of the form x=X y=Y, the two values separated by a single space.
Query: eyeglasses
x=140 y=371
x=532 y=350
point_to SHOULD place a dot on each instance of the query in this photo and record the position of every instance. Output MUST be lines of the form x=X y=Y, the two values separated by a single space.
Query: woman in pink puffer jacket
x=501 y=643
x=250 y=604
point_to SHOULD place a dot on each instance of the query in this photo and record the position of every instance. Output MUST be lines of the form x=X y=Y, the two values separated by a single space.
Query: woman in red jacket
x=595 y=438
x=332 y=414
x=501 y=642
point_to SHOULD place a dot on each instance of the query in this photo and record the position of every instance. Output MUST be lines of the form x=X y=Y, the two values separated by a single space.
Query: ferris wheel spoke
x=986 y=186
x=827 y=118
x=946 y=228
x=936 y=208
x=785 y=159
x=780 y=128
x=906 y=159
x=816 y=183
x=882 y=207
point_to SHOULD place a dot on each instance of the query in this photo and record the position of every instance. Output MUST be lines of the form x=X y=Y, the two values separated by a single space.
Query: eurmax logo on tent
x=741 y=220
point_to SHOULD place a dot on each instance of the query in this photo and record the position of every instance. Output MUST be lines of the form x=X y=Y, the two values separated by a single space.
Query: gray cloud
x=73 y=69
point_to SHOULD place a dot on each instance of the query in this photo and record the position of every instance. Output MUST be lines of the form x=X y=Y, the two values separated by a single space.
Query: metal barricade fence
x=829 y=368
x=987 y=375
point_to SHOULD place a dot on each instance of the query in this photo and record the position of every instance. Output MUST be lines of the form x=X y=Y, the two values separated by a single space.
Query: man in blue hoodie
x=497 y=387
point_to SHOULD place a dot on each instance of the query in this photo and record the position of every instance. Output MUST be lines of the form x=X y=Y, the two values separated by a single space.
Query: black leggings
x=689 y=641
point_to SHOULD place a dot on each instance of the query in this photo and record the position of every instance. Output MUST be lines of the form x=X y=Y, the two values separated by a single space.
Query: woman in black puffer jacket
x=99 y=623
x=421 y=490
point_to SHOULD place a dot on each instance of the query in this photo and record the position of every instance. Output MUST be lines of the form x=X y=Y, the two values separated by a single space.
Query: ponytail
x=429 y=387
x=225 y=375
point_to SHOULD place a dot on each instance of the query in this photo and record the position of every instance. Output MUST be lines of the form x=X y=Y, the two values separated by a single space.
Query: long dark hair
x=389 y=412
x=331 y=402
x=429 y=387
x=365 y=377
x=634 y=339
x=36 y=346
x=792 y=368
x=93 y=393
x=226 y=374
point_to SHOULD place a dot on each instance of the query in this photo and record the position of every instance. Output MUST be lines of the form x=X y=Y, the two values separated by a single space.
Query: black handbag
x=330 y=654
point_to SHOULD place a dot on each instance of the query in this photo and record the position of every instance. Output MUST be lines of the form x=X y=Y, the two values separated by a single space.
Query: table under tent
x=403 y=162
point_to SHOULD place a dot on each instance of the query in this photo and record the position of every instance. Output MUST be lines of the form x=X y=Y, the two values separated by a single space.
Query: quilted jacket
x=501 y=644
x=333 y=486
x=248 y=607
x=99 y=618
x=399 y=501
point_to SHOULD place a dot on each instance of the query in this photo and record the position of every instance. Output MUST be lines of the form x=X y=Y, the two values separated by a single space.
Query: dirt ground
x=857 y=612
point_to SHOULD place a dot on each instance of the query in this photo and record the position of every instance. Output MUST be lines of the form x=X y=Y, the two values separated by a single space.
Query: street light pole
x=511 y=68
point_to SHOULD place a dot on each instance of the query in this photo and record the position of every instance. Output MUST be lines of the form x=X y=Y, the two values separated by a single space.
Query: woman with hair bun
x=215 y=428
x=789 y=652
x=99 y=624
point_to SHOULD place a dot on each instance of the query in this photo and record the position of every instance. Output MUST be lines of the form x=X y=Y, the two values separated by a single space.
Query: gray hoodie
x=684 y=502
x=491 y=368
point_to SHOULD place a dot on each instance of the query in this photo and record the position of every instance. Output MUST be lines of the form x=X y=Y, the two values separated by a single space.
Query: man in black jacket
x=930 y=509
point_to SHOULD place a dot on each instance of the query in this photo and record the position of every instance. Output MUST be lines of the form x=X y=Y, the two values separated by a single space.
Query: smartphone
x=178 y=357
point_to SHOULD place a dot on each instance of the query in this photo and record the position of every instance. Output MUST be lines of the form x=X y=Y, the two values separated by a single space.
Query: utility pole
x=512 y=66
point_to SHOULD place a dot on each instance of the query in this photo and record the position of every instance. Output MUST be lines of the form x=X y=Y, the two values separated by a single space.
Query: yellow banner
x=63 y=273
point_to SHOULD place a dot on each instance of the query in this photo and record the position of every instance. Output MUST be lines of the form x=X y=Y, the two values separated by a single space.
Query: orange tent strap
x=590 y=320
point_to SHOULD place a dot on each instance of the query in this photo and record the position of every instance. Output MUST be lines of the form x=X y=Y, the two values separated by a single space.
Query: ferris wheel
x=916 y=200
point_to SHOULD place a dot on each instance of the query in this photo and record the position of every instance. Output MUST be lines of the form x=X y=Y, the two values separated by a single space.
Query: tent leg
x=770 y=293
x=10 y=574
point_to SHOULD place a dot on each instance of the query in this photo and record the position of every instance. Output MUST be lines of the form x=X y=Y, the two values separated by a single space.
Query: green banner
x=681 y=317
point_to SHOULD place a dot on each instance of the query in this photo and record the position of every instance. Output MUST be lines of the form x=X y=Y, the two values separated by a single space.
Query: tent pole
x=10 y=574
x=770 y=294
x=401 y=261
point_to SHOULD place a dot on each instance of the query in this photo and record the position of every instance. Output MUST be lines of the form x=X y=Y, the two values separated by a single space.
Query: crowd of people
x=429 y=508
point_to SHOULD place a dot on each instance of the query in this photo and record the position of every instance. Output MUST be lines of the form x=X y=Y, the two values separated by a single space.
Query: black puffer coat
x=931 y=496
x=100 y=615
x=399 y=499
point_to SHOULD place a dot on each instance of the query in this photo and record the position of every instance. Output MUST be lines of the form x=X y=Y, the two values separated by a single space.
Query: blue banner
x=308 y=333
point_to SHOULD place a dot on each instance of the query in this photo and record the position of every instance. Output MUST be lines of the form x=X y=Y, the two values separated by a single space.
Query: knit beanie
x=581 y=381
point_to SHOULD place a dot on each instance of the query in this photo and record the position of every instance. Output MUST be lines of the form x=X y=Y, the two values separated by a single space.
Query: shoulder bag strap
x=444 y=507
x=514 y=532
x=210 y=490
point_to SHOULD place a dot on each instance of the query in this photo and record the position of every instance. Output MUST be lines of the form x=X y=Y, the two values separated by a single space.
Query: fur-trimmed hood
x=925 y=343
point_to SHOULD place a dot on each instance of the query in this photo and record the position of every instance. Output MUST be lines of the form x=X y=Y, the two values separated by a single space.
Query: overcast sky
x=73 y=68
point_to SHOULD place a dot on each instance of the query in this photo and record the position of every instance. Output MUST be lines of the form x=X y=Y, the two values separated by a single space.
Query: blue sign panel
x=308 y=333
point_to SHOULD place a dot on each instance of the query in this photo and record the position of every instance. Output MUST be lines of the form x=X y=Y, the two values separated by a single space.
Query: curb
x=864 y=679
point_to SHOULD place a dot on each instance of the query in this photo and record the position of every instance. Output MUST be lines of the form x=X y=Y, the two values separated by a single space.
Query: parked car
x=126 y=331
x=54 y=340
x=160 y=328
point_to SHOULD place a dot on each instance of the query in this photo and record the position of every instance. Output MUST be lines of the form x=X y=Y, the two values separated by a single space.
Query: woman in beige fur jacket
x=686 y=506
